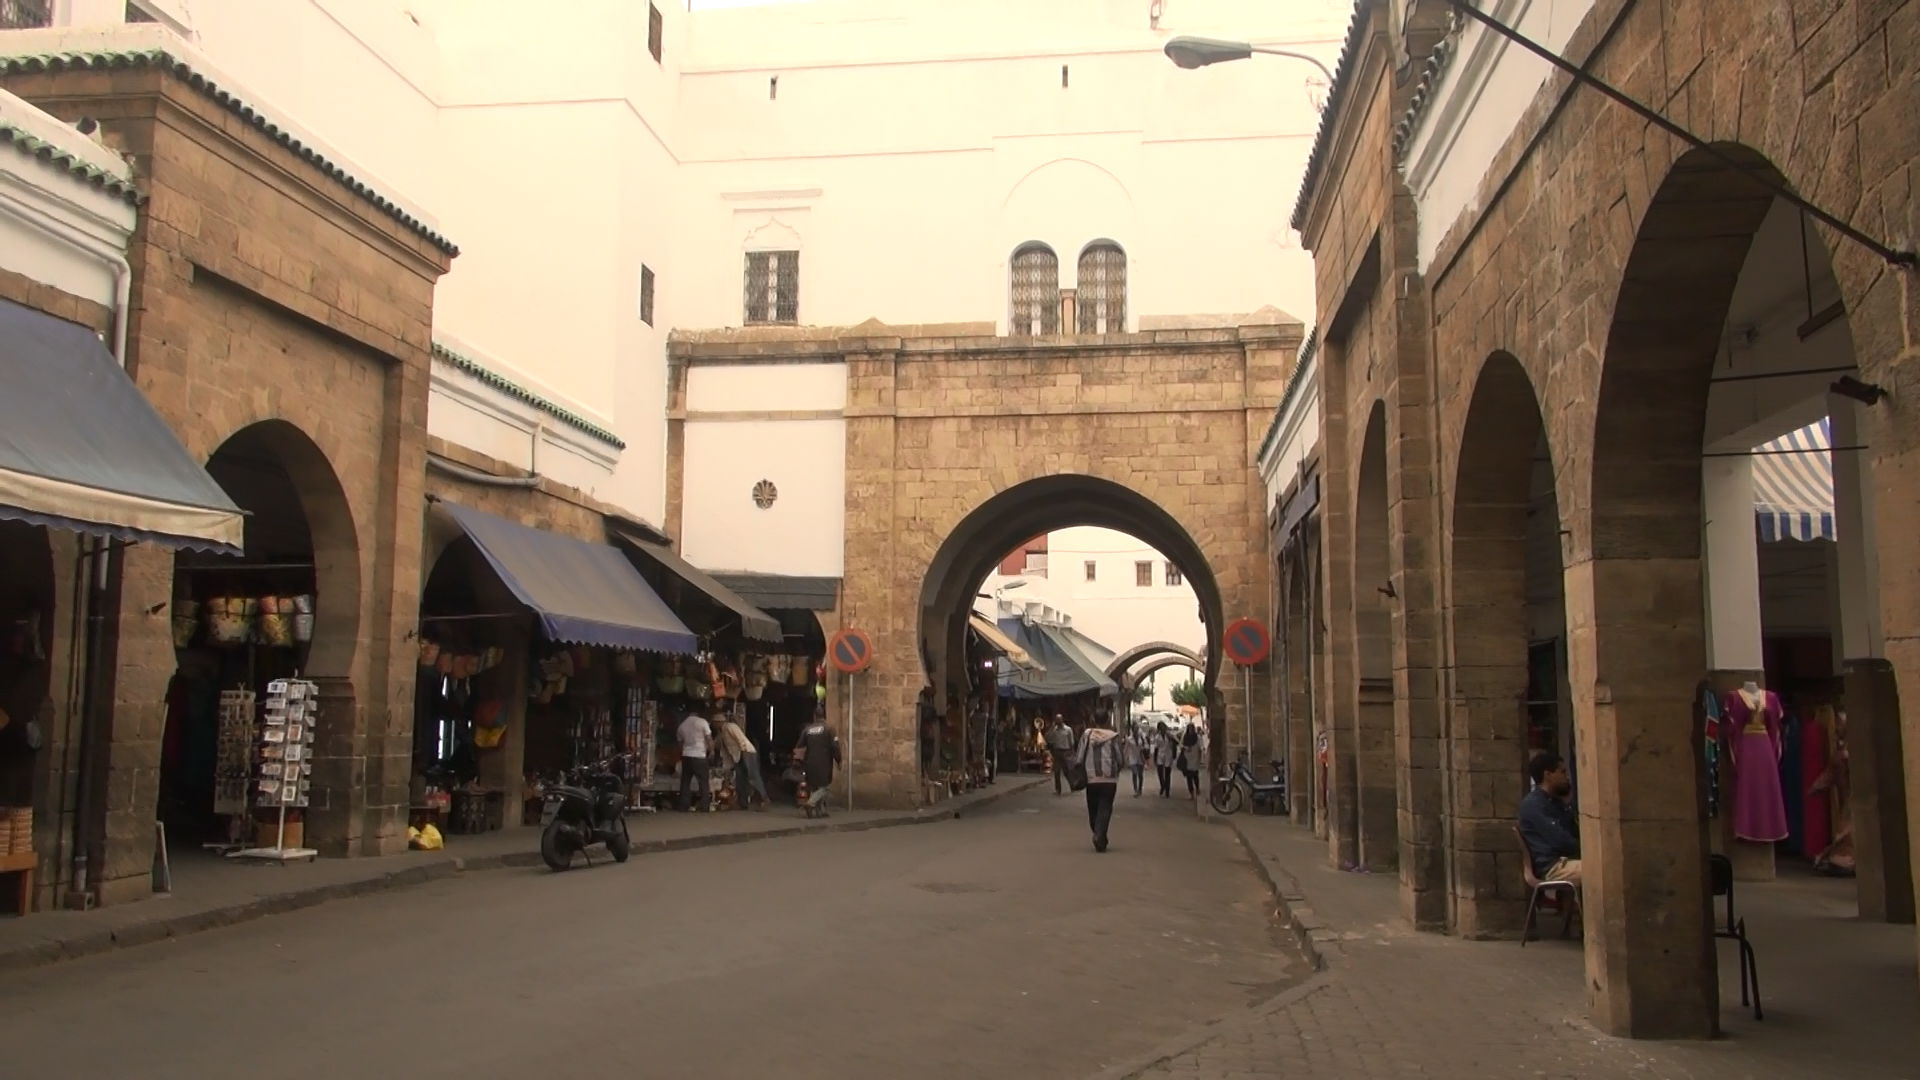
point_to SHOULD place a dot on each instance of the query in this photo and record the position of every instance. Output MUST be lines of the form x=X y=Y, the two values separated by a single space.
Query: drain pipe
x=475 y=476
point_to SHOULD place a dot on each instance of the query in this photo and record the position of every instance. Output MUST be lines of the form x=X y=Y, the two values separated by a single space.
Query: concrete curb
x=1313 y=936
x=1199 y=1035
x=149 y=931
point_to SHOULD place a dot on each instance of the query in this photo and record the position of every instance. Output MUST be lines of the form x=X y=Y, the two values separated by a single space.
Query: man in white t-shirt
x=696 y=738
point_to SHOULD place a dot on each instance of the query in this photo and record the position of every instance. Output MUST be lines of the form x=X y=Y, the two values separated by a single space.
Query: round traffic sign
x=850 y=651
x=1247 y=642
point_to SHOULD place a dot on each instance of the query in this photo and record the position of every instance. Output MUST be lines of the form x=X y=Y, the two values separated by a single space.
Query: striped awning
x=1793 y=485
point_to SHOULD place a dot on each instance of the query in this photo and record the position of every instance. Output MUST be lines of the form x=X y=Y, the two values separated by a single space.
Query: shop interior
x=26 y=607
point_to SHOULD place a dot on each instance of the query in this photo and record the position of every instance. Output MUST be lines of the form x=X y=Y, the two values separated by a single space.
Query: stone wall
x=270 y=297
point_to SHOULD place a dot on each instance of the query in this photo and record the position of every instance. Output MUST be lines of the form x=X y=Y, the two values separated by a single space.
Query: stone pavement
x=210 y=891
x=1841 y=994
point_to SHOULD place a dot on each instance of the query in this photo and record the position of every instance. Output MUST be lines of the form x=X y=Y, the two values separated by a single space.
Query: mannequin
x=1754 y=749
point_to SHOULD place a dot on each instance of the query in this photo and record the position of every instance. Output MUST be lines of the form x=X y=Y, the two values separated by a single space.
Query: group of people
x=1166 y=748
x=815 y=756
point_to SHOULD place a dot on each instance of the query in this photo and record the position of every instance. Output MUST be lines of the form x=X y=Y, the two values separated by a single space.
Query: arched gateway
x=959 y=445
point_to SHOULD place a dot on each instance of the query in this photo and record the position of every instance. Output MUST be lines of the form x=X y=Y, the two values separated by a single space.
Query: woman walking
x=1134 y=760
x=1190 y=759
x=1099 y=753
x=1164 y=753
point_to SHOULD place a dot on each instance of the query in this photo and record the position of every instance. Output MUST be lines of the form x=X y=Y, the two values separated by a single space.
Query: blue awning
x=1065 y=668
x=1793 y=485
x=584 y=594
x=82 y=448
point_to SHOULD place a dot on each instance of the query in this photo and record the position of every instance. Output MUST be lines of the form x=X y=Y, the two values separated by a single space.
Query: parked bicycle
x=1232 y=791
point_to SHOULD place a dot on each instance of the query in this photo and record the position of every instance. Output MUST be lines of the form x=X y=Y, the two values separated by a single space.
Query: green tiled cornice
x=67 y=162
x=514 y=390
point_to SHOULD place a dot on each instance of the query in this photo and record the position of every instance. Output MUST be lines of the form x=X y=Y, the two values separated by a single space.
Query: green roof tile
x=66 y=161
x=512 y=389
x=110 y=59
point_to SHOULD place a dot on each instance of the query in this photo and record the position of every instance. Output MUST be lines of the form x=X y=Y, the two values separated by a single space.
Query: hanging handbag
x=1077 y=771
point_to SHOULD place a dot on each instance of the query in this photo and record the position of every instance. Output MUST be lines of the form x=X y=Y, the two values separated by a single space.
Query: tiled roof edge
x=1294 y=382
x=160 y=58
x=66 y=161
x=1431 y=72
x=514 y=390
x=1336 y=96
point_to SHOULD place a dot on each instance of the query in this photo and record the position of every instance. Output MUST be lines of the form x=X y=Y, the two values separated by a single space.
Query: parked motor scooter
x=585 y=808
x=1230 y=792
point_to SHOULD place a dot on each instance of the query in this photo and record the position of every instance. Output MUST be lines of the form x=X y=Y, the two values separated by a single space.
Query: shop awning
x=81 y=448
x=1064 y=669
x=583 y=593
x=1793 y=485
x=994 y=637
x=790 y=591
x=754 y=623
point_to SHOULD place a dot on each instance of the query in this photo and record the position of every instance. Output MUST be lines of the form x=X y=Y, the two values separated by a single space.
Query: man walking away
x=1134 y=760
x=1099 y=752
x=818 y=753
x=1164 y=752
x=696 y=739
x=1059 y=745
x=1547 y=823
x=740 y=758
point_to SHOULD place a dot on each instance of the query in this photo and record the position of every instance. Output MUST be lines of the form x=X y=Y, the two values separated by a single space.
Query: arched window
x=1035 y=281
x=1102 y=294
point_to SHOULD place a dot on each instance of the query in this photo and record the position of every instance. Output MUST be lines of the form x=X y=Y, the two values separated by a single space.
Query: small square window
x=1143 y=574
x=1093 y=570
x=1173 y=574
x=656 y=31
x=646 y=295
x=772 y=287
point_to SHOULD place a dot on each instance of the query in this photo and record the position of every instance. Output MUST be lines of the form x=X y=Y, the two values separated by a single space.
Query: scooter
x=586 y=808
x=1230 y=792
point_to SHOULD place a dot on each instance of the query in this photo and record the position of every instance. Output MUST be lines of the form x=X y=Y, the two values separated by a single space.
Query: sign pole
x=851 y=679
x=1246 y=673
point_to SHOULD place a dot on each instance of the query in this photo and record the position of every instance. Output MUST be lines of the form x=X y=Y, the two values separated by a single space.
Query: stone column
x=1734 y=654
x=1878 y=802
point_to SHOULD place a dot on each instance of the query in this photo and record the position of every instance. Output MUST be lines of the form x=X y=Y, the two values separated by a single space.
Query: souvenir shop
x=239 y=623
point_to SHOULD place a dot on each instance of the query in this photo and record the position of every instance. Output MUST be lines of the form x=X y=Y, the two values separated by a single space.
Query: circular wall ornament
x=764 y=493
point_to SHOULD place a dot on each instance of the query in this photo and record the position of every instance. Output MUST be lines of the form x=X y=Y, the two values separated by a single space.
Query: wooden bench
x=21 y=865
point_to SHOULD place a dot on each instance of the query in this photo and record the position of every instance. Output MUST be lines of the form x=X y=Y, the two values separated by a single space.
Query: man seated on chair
x=1547 y=822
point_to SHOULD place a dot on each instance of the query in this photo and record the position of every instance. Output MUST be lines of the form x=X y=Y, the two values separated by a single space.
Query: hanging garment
x=1816 y=826
x=1759 y=814
x=1792 y=787
x=1709 y=705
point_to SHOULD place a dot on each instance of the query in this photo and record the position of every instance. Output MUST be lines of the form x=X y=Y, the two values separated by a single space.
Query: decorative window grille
x=138 y=14
x=25 y=14
x=1036 y=291
x=773 y=287
x=1102 y=293
x=1093 y=570
x=1143 y=574
x=646 y=295
x=656 y=31
x=1173 y=575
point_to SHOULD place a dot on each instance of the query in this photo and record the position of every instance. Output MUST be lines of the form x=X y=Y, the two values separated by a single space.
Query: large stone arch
x=1122 y=665
x=1371 y=768
x=1491 y=519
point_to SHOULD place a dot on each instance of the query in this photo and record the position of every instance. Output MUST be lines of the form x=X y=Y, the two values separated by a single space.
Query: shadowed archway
x=1371 y=763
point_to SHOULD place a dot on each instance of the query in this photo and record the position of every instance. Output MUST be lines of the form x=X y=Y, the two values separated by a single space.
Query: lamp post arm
x=1298 y=56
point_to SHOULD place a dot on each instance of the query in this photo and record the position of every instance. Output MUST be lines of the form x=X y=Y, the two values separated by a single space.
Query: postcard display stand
x=285 y=759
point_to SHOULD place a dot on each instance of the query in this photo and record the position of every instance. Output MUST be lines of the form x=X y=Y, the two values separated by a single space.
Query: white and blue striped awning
x=1793 y=485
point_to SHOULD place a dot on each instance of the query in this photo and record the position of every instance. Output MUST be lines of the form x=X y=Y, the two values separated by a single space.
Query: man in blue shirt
x=1547 y=822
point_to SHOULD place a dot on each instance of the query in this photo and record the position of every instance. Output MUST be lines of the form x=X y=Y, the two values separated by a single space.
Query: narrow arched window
x=1101 y=296
x=1035 y=286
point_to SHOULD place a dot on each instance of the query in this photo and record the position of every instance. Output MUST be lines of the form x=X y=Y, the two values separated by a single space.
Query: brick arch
x=1491 y=522
x=1132 y=679
x=1638 y=570
x=1123 y=663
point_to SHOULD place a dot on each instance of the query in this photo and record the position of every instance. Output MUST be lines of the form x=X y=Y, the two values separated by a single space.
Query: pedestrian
x=1059 y=745
x=1099 y=754
x=1190 y=759
x=818 y=752
x=696 y=740
x=1135 y=761
x=739 y=758
x=1165 y=751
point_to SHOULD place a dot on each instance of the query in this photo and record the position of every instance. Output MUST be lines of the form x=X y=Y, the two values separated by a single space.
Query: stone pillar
x=1878 y=802
x=1651 y=970
x=1734 y=653
x=129 y=721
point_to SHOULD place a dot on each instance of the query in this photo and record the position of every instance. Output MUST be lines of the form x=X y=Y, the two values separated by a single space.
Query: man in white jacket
x=1099 y=754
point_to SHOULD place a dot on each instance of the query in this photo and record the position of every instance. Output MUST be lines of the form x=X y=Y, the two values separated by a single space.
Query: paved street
x=960 y=949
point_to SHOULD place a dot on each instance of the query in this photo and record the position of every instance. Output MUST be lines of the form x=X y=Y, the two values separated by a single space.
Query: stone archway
x=1504 y=551
x=1122 y=664
x=1369 y=769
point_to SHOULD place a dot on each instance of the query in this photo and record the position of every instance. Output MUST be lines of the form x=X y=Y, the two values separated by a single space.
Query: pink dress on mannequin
x=1759 y=810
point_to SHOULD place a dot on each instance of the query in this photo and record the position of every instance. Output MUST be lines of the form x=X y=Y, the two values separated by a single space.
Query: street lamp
x=1198 y=52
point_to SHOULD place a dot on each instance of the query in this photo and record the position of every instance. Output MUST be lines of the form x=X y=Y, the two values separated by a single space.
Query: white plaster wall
x=803 y=532
x=1298 y=435
x=55 y=228
x=767 y=388
x=1484 y=92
